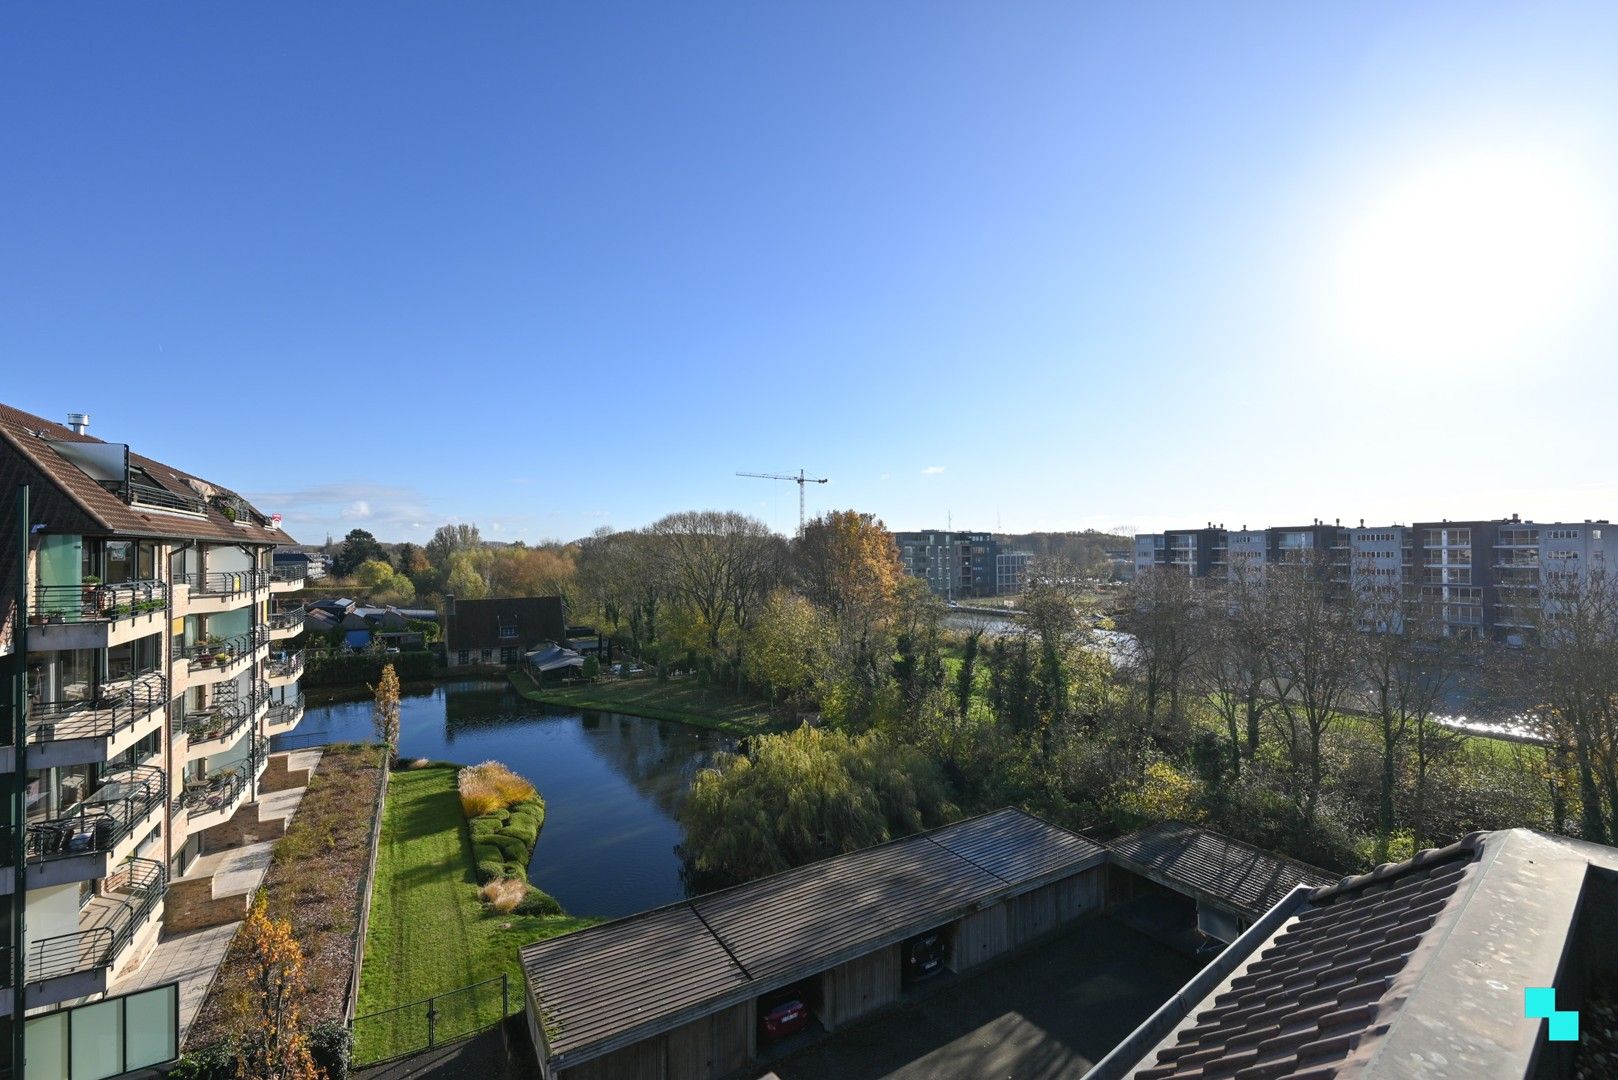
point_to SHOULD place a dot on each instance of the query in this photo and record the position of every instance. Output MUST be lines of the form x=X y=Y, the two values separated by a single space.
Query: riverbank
x=682 y=701
x=429 y=933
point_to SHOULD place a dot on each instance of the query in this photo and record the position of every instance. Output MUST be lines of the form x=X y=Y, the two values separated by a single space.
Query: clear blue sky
x=549 y=267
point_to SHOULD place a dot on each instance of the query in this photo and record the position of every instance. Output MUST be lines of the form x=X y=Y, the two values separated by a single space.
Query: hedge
x=335 y=669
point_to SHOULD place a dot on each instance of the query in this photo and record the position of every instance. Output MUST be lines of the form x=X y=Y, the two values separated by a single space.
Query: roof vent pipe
x=79 y=423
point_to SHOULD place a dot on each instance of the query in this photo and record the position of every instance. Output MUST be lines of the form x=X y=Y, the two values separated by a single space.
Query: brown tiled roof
x=1213 y=867
x=1320 y=995
x=29 y=437
x=475 y=624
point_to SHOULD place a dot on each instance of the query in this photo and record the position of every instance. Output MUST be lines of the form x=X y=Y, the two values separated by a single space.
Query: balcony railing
x=288 y=667
x=114 y=707
x=102 y=819
x=133 y=892
x=288 y=573
x=282 y=712
x=221 y=721
x=97 y=602
x=292 y=618
x=225 y=582
x=221 y=789
x=206 y=654
x=160 y=498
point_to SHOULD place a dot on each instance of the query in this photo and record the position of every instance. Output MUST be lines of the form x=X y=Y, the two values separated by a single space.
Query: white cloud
x=933 y=470
x=358 y=510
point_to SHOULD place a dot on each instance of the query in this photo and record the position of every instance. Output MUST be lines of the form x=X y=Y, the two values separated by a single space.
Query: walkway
x=192 y=958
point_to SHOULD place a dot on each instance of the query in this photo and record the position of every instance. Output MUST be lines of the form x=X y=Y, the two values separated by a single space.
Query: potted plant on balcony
x=222 y=657
x=205 y=658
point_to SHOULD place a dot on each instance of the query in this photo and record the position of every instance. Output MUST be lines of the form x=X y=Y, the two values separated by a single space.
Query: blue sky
x=1036 y=266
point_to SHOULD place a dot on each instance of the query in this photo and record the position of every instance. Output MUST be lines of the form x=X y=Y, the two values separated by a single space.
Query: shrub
x=511 y=848
x=481 y=827
x=485 y=850
x=504 y=894
x=491 y=786
x=514 y=870
x=331 y=1045
x=488 y=871
x=216 y=1062
x=538 y=902
x=524 y=832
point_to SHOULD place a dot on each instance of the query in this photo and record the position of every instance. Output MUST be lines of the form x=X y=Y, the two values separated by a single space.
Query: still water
x=613 y=784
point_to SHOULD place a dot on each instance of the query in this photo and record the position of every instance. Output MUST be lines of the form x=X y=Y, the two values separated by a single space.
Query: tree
x=451 y=540
x=1161 y=611
x=849 y=564
x=464 y=579
x=410 y=560
x=809 y=794
x=720 y=564
x=358 y=546
x=386 y=585
x=385 y=712
x=1309 y=668
x=271 y=1043
x=536 y=571
x=789 y=648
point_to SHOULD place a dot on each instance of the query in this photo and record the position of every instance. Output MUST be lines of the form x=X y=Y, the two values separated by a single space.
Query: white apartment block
x=155 y=669
x=1494 y=579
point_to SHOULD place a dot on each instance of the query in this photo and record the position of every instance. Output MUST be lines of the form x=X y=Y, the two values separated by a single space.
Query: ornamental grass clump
x=491 y=786
x=504 y=895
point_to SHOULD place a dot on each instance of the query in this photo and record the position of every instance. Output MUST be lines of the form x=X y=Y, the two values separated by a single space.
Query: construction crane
x=800 y=480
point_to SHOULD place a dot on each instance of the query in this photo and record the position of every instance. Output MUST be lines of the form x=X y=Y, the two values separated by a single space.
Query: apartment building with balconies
x=139 y=606
x=1494 y=579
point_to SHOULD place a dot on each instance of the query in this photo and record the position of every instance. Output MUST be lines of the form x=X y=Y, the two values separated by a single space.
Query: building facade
x=1490 y=579
x=155 y=669
x=959 y=565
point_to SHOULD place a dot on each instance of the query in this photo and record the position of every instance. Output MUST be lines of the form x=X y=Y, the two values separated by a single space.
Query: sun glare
x=1471 y=258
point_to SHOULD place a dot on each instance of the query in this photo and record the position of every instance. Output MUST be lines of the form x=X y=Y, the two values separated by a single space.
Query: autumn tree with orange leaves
x=271 y=1043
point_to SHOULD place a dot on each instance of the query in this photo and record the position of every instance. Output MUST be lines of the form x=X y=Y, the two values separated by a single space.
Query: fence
x=421 y=1025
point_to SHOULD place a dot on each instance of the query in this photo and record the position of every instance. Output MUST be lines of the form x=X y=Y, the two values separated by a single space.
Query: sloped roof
x=1213 y=867
x=31 y=436
x=475 y=624
x=619 y=982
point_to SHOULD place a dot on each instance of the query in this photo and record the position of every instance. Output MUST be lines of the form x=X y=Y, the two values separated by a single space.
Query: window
x=508 y=655
x=488 y=655
x=508 y=632
x=463 y=658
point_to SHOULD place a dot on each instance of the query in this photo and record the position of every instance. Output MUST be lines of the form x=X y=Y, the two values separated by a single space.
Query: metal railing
x=288 y=573
x=113 y=707
x=282 y=712
x=421 y=1025
x=205 y=654
x=101 y=819
x=221 y=790
x=225 y=582
x=135 y=888
x=97 y=602
x=161 y=498
x=221 y=721
x=289 y=667
x=292 y=618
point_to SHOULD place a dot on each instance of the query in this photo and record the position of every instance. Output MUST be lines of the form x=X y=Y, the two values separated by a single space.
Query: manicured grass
x=680 y=700
x=429 y=933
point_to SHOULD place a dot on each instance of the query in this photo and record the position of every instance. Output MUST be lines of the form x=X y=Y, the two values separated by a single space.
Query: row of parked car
x=786 y=1011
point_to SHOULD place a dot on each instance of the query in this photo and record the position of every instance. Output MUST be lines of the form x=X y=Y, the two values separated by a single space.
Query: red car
x=787 y=1018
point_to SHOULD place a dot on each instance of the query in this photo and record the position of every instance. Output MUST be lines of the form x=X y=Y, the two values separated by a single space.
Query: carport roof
x=1207 y=866
x=620 y=982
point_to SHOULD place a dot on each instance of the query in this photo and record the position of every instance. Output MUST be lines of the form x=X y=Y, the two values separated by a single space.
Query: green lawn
x=681 y=700
x=428 y=932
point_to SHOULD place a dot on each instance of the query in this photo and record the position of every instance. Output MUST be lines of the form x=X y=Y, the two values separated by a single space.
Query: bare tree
x=1161 y=614
x=720 y=563
x=1228 y=665
x=1309 y=668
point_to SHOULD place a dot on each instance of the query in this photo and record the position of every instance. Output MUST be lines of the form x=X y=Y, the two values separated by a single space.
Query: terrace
x=80 y=963
x=99 y=725
x=216 y=659
x=92 y=615
x=287 y=578
x=210 y=730
x=287 y=623
x=210 y=799
x=86 y=841
x=283 y=669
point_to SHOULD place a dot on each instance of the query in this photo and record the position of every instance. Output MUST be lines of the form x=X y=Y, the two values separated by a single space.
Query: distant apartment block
x=962 y=564
x=1490 y=579
x=156 y=670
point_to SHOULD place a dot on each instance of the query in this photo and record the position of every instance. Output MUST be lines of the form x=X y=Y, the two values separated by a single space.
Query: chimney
x=79 y=423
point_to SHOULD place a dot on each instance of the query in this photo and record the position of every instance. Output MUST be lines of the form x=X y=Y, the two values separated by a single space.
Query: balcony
x=80 y=964
x=287 y=579
x=286 y=624
x=88 y=841
x=211 y=800
x=285 y=670
x=216 y=660
x=284 y=715
x=99 y=727
x=95 y=616
x=221 y=590
x=216 y=728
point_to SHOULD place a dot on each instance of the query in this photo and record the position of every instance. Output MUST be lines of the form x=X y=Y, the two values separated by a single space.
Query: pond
x=613 y=784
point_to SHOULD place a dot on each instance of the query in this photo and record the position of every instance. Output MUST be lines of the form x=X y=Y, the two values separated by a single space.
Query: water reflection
x=613 y=784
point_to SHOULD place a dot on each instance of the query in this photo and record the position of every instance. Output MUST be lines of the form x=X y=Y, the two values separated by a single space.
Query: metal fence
x=422 y=1025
